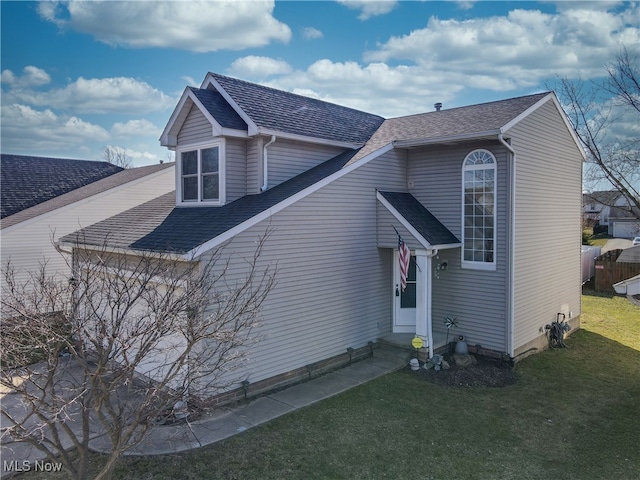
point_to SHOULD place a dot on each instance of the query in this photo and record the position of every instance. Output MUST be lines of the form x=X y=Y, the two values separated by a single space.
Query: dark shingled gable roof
x=290 y=113
x=420 y=218
x=219 y=109
x=160 y=226
x=27 y=181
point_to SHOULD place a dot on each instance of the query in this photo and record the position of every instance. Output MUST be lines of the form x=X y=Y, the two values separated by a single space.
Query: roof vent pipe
x=438 y=106
x=265 y=164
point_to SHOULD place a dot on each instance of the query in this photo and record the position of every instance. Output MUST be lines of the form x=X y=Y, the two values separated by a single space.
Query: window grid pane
x=479 y=200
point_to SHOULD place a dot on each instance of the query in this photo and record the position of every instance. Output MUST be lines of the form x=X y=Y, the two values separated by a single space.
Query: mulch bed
x=487 y=372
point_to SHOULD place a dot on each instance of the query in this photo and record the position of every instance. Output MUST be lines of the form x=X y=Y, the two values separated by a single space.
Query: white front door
x=404 y=318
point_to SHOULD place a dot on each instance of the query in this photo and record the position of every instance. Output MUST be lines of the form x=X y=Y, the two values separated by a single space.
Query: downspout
x=511 y=290
x=265 y=164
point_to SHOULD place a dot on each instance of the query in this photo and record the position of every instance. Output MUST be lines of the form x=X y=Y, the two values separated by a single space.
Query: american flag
x=405 y=258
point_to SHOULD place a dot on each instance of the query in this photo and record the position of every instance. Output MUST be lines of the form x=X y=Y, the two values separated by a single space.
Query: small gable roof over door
x=414 y=217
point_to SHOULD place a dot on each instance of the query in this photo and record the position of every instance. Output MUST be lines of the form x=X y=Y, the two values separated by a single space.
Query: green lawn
x=573 y=414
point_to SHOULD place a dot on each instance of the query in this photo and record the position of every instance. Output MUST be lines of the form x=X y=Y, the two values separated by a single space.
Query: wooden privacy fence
x=608 y=271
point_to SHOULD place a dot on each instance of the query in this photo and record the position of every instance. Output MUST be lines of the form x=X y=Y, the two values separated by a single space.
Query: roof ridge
x=492 y=102
x=286 y=92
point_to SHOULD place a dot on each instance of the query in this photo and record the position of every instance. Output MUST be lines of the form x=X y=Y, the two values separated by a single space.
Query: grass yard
x=573 y=414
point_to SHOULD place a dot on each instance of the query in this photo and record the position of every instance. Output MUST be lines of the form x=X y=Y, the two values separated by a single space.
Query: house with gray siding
x=486 y=197
x=44 y=199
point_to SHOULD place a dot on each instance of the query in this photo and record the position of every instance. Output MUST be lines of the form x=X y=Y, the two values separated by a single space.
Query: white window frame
x=220 y=143
x=477 y=265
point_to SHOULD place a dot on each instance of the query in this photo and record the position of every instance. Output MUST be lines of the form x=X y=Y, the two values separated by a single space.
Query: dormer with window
x=234 y=138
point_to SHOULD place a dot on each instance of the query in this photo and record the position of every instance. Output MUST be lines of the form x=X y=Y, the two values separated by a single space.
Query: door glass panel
x=408 y=297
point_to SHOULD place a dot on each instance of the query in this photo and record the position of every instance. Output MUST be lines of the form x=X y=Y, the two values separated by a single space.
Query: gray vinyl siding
x=195 y=129
x=287 y=158
x=254 y=174
x=333 y=282
x=548 y=216
x=478 y=298
x=235 y=168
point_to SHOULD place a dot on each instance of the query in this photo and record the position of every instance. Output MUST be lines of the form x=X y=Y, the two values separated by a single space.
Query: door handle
x=397 y=291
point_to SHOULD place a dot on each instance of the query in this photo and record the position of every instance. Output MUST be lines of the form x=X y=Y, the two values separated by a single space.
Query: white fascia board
x=229 y=234
x=552 y=98
x=90 y=198
x=405 y=223
x=166 y=136
x=252 y=127
x=216 y=128
x=307 y=139
x=418 y=142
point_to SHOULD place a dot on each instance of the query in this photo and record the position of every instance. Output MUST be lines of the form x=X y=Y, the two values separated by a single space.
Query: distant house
x=473 y=191
x=44 y=199
x=613 y=209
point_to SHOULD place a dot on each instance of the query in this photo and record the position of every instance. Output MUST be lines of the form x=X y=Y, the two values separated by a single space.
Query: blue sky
x=80 y=76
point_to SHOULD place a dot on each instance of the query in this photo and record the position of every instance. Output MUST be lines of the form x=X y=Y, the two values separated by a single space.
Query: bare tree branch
x=122 y=343
x=598 y=112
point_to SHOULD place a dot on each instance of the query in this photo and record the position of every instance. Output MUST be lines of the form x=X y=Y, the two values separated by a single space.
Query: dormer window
x=201 y=175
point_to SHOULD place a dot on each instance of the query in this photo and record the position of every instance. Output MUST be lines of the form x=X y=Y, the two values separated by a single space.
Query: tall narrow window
x=479 y=212
x=200 y=175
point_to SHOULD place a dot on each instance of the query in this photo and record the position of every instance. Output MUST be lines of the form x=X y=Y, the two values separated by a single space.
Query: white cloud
x=465 y=5
x=370 y=8
x=310 y=33
x=31 y=77
x=134 y=128
x=97 y=95
x=514 y=51
x=255 y=66
x=199 y=26
x=377 y=87
x=44 y=131
x=190 y=81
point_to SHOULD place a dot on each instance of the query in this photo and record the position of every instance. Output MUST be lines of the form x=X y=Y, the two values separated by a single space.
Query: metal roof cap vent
x=438 y=106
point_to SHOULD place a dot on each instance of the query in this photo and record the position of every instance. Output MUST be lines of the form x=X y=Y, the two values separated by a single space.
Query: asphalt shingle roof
x=94 y=188
x=468 y=120
x=219 y=109
x=420 y=218
x=27 y=181
x=160 y=226
x=287 y=112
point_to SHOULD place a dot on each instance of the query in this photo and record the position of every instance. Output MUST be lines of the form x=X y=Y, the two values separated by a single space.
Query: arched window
x=479 y=210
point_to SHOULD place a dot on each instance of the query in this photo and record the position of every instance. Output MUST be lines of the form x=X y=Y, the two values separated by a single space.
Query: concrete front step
x=397 y=355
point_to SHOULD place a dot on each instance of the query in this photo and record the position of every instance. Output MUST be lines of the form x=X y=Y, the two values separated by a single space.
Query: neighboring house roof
x=630 y=255
x=94 y=188
x=28 y=181
x=421 y=219
x=474 y=121
x=279 y=111
x=160 y=226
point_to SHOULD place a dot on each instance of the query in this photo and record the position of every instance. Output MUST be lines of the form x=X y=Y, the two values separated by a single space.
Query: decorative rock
x=464 y=360
x=445 y=365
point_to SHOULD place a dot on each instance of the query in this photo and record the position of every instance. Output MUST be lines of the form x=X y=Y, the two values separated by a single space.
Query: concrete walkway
x=229 y=421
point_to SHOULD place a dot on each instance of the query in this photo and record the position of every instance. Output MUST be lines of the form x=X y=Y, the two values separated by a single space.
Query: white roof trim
x=406 y=224
x=81 y=201
x=167 y=137
x=209 y=80
x=307 y=139
x=450 y=138
x=550 y=97
x=216 y=241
